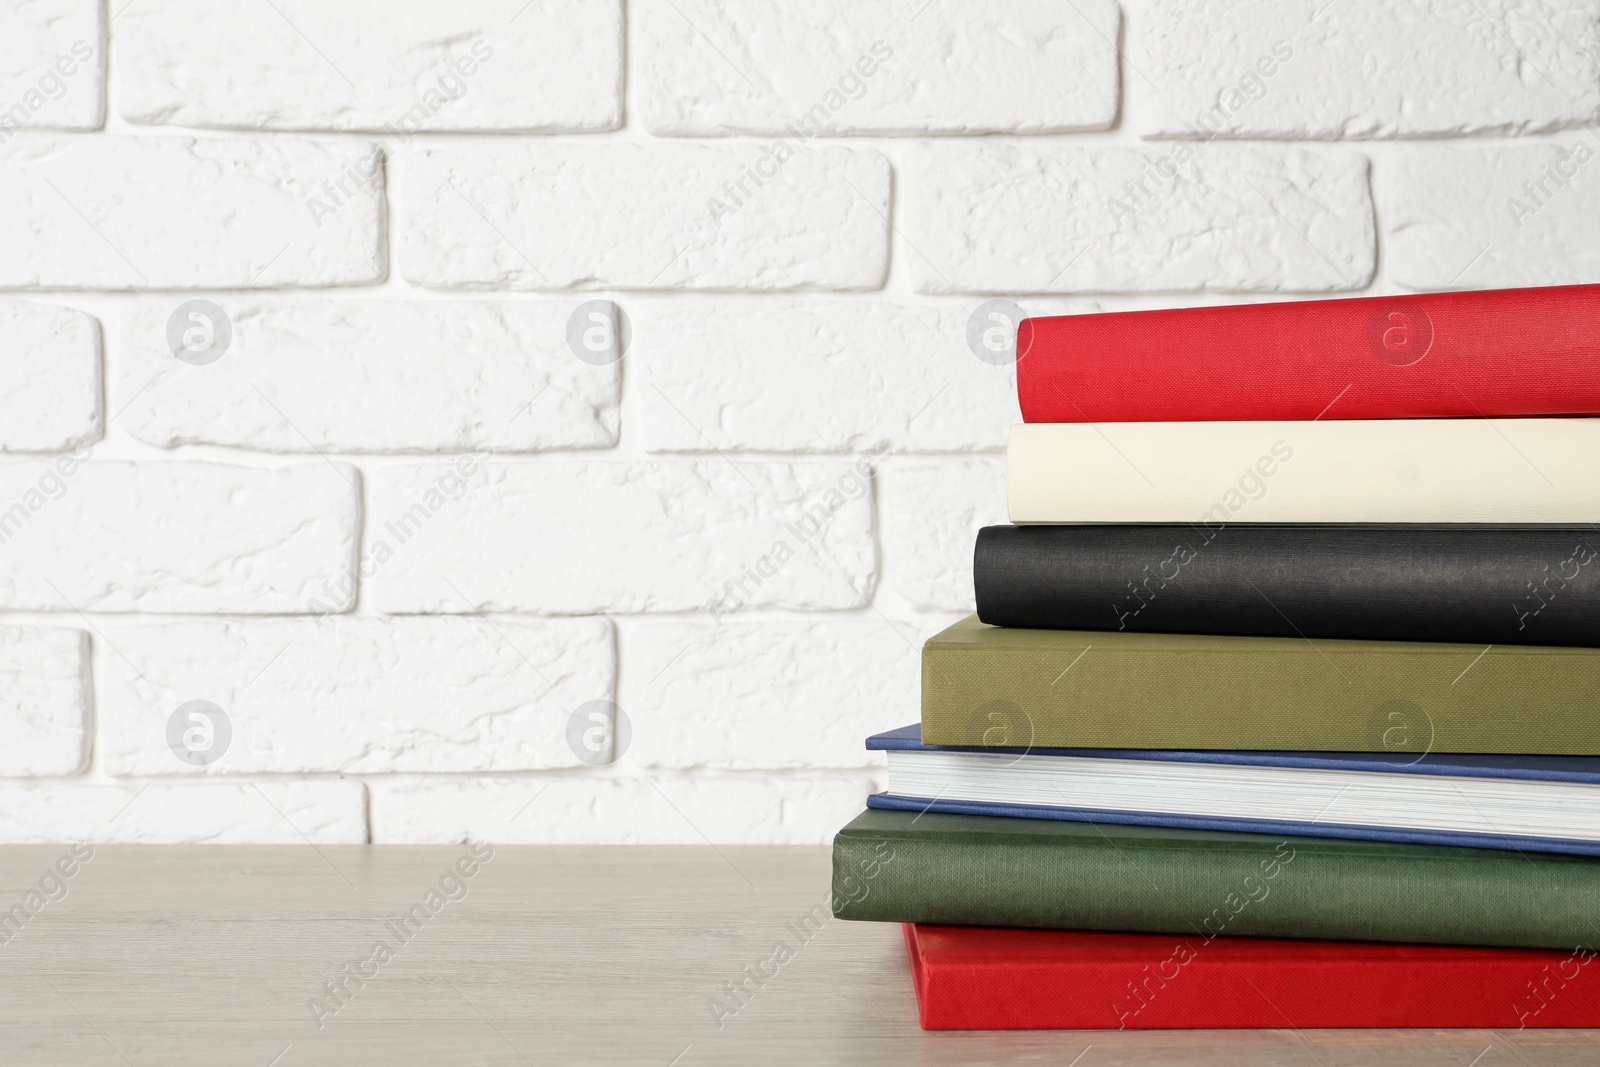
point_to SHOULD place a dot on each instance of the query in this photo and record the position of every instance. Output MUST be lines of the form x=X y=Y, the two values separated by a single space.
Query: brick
x=179 y=213
x=676 y=810
x=572 y=537
x=52 y=66
x=526 y=215
x=50 y=363
x=142 y=536
x=793 y=374
x=736 y=694
x=1493 y=217
x=1006 y=218
x=354 y=695
x=931 y=515
x=304 y=375
x=44 y=698
x=1022 y=66
x=551 y=65
x=265 y=813
x=1364 y=68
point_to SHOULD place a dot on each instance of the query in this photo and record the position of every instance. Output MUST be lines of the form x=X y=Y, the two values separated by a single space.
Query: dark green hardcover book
x=969 y=870
x=999 y=686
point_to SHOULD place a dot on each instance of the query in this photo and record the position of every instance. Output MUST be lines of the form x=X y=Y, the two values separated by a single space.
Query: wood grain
x=209 y=955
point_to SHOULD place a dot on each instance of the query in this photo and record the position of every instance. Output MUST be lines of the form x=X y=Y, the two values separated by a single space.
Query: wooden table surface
x=224 y=955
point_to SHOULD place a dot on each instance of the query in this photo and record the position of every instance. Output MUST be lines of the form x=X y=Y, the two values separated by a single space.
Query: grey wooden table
x=287 y=956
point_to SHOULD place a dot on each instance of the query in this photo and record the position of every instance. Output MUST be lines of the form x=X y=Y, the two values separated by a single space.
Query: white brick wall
x=1479 y=217
x=203 y=212
x=360 y=65
x=808 y=375
x=756 y=695
x=932 y=513
x=1005 y=218
x=290 y=812
x=52 y=65
x=1293 y=69
x=118 y=535
x=713 y=67
x=354 y=375
x=352 y=695
x=44 y=700
x=522 y=215
x=50 y=362
x=635 y=537
x=390 y=387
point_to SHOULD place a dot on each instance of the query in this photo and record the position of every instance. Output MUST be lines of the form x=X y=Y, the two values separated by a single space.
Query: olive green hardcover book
x=1007 y=687
x=970 y=870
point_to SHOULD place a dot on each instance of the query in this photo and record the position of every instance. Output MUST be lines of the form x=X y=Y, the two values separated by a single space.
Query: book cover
x=998 y=686
x=1522 y=803
x=968 y=870
x=1522 y=584
x=1468 y=354
x=977 y=978
x=1383 y=471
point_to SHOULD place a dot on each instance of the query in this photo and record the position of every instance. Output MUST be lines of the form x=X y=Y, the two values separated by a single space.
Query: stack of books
x=1282 y=702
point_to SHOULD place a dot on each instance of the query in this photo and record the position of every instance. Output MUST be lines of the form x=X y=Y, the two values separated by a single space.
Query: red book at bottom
x=979 y=978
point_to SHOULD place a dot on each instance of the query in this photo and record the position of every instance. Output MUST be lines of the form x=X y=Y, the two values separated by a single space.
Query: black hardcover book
x=1530 y=585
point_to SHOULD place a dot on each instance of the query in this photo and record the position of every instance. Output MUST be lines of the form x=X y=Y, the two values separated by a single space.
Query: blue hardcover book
x=1525 y=803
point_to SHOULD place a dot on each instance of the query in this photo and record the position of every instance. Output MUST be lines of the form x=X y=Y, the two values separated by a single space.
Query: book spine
x=1512 y=585
x=1217 y=473
x=1076 y=689
x=1233 y=885
x=1182 y=983
x=1512 y=352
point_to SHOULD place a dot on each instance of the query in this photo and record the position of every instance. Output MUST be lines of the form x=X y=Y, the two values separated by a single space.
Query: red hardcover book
x=980 y=978
x=1493 y=353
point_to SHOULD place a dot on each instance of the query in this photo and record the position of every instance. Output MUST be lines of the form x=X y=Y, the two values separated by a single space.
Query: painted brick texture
x=52 y=66
x=550 y=65
x=205 y=212
x=564 y=422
